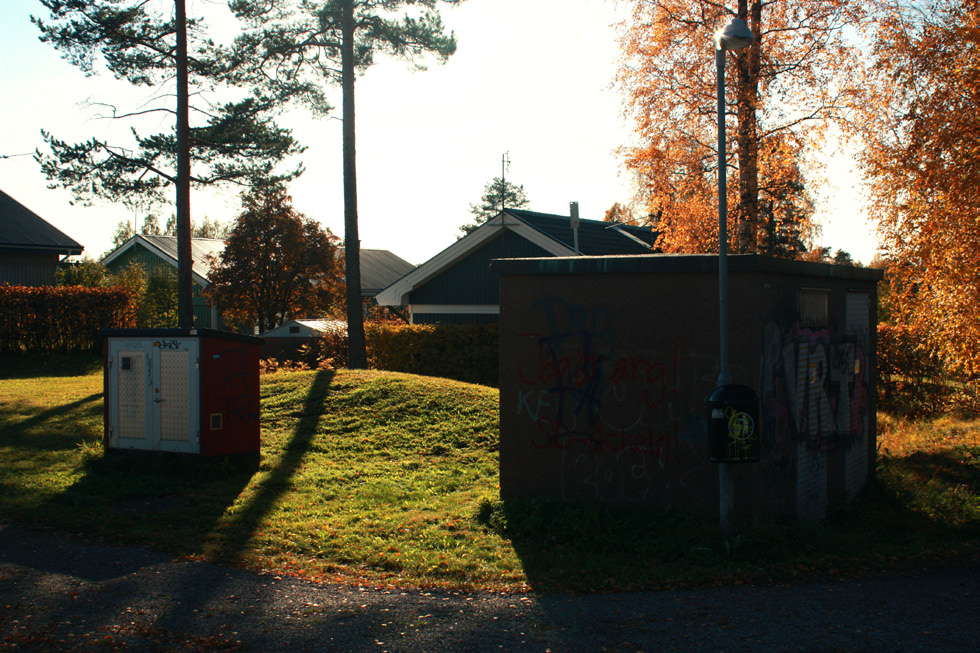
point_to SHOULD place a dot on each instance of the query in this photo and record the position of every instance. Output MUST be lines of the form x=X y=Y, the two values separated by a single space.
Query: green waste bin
x=734 y=433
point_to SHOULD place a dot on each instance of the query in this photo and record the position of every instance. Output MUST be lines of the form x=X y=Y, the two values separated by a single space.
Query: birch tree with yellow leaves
x=920 y=123
x=793 y=81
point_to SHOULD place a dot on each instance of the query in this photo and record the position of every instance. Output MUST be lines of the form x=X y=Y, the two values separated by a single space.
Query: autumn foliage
x=60 y=319
x=921 y=130
x=794 y=80
x=277 y=264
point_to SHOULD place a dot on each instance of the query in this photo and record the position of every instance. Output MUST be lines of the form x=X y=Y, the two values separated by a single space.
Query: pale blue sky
x=531 y=77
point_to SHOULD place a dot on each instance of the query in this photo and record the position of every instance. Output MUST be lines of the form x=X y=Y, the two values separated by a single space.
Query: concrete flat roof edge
x=179 y=333
x=683 y=263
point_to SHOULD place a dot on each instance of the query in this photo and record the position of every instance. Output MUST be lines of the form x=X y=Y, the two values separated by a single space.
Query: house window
x=294 y=329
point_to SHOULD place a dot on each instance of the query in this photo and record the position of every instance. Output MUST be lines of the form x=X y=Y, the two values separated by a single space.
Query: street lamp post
x=736 y=35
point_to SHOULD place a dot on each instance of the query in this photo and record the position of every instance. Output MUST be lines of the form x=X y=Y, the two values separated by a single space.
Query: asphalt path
x=59 y=594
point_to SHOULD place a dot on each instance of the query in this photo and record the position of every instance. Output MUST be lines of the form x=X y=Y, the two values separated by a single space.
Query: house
x=30 y=247
x=154 y=251
x=379 y=267
x=306 y=329
x=457 y=286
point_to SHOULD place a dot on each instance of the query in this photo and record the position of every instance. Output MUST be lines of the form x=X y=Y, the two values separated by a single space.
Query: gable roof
x=21 y=228
x=379 y=267
x=595 y=237
x=166 y=248
x=553 y=233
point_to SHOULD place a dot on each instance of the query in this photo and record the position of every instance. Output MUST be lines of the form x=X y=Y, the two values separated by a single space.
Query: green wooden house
x=155 y=251
x=30 y=247
x=456 y=285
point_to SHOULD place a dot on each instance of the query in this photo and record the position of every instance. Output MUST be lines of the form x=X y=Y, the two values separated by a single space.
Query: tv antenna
x=504 y=164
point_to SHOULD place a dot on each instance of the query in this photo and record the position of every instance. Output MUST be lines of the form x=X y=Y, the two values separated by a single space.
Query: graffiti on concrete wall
x=815 y=387
x=615 y=416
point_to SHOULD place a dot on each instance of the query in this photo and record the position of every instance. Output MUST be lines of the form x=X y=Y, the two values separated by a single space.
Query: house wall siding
x=470 y=281
x=150 y=262
x=19 y=268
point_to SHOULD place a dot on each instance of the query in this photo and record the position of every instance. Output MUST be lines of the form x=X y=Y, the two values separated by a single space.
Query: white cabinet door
x=154 y=387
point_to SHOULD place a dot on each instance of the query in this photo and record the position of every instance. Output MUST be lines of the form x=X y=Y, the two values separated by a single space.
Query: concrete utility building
x=609 y=361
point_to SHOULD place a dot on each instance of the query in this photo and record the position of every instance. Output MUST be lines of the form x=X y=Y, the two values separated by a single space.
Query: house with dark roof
x=155 y=251
x=30 y=247
x=379 y=267
x=456 y=285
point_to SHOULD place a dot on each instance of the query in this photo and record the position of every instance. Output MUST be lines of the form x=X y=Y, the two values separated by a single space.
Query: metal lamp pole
x=736 y=35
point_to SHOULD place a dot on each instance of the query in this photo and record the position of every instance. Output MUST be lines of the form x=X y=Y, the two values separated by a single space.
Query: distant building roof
x=379 y=267
x=552 y=233
x=318 y=326
x=595 y=237
x=21 y=228
x=166 y=248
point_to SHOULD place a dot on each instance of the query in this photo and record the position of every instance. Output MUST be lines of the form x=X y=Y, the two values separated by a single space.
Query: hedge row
x=453 y=351
x=60 y=319
x=462 y=352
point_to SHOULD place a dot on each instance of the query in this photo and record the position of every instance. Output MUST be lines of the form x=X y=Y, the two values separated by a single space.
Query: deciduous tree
x=294 y=46
x=921 y=130
x=277 y=264
x=794 y=78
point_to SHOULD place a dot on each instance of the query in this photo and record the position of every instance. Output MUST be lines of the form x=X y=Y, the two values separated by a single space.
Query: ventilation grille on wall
x=126 y=363
x=813 y=307
x=215 y=421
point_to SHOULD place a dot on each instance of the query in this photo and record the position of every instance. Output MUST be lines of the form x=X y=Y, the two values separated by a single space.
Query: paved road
x=57 y=594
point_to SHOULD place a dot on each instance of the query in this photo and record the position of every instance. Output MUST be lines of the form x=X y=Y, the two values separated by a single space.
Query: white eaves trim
x=618 y=229
x=396 y=294
x=462 y=309
x=201 y=281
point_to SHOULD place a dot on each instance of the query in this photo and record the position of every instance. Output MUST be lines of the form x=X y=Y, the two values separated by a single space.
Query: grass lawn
x=391 y=479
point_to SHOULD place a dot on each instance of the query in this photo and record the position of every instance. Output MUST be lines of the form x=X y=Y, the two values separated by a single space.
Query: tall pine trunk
x=352 y=244
x=185 y=280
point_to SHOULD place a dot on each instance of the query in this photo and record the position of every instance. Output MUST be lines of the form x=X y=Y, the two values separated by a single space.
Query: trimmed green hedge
x=466 y=352
x=60 y=319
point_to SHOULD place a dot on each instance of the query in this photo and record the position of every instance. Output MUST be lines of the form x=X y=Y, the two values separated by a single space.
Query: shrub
x=914 y=380
x=60 y=319
x=461 y=352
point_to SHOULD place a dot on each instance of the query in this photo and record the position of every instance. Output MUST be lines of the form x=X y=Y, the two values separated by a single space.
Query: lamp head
x=736 y=35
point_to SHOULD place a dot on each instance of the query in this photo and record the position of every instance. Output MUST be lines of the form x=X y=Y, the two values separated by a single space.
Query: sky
x=530 y=78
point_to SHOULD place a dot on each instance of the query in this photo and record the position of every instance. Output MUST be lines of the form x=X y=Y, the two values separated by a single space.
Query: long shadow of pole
x=235 y=533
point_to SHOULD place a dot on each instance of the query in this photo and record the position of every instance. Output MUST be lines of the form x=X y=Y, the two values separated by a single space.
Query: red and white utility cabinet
x=182 y=390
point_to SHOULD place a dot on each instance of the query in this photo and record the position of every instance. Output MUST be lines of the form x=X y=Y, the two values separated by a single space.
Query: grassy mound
x=391 y=479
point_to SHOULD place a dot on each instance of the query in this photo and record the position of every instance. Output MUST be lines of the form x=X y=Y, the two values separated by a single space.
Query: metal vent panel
x=174 y=396
x=132 y=395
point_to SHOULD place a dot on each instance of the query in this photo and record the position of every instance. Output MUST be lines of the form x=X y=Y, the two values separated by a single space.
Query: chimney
x=573 y=208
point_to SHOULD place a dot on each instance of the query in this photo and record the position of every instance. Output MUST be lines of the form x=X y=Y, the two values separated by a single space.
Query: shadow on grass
x=898 y=525
x=53 y=439
x=943 y=467
x=31 y=366
x=567 y=546
x=233 y=535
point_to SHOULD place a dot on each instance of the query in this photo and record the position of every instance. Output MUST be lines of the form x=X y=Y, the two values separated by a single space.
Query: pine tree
x=293 y=47
x=498 y=194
